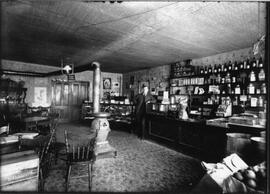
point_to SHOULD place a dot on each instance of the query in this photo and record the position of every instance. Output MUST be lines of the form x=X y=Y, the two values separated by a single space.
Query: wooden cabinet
x=161 y=130
x=192 y=137
x=189 y=134
x=19 y=171
x=67 y=98
x=122 y=115
x=12 y=99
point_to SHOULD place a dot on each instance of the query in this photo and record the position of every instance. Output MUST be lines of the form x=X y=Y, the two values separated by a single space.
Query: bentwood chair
x=79 y=155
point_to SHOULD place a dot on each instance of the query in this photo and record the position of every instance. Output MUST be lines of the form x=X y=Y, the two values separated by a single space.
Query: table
x=31 y=123
x=19 y=171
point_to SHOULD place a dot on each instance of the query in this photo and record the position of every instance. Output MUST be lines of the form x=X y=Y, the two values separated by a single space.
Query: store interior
x=72 y=75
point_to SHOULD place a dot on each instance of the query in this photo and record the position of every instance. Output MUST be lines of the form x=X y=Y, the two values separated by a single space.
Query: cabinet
x=122 y=113
x=12 y=99
x=243 y=82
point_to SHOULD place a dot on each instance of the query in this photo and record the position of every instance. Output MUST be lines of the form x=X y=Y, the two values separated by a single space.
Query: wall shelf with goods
x=12 y=99
x=121 y=113
x=243 y=82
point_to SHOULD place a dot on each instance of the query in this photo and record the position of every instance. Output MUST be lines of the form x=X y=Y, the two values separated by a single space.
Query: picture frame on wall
x=107 y=83
x=146 y=83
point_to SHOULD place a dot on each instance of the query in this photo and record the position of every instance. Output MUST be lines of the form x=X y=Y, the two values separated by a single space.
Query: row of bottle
x=253 y=64
x=222 y=79
x=247 y=101
x=236 y=78
x=240 y=89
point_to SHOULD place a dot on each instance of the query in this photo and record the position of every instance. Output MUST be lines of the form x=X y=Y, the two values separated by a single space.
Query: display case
x=120 y=112
x=243 y=82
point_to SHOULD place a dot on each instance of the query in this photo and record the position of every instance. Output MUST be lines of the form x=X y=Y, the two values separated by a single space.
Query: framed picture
x=141 y=84
x=40 y=95
x=107 y=84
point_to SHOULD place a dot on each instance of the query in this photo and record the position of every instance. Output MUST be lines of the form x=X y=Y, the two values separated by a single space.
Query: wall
x=32 y=82
x=88 y=76
x=158 y=77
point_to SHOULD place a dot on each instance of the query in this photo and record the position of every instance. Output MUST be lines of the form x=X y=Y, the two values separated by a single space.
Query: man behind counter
x=140 y=110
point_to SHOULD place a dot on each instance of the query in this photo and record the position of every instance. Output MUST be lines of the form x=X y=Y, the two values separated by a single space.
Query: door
x=67 y=98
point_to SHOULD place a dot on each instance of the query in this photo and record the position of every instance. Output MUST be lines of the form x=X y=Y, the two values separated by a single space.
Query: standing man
x=141 y=100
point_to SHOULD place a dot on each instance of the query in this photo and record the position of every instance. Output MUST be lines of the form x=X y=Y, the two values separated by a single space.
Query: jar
x=237 y=90
x=228 y=78
x=261 y=75
x=263 y=88
x=260 y=101
x=252 y=76
x=251 y=89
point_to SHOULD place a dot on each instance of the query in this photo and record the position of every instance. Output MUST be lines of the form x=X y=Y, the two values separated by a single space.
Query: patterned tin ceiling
x=126 y=36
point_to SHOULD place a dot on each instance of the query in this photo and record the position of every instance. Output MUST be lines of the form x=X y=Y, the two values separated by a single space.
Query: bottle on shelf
x=215 y=69
x=261 y=75
x=263 y=88
x=205 y=70
x=253 y=101
x=252 y=76
x=248 y=66
x=258 y=90
x=235 y=68
x=210 y=69
x=201 y=70
x=218 y=80
x=230 y=66
x=235 y=101
x=253 y=63
x=233 y=79
x=251 y=89
x=260 y=63
x=229 y=89
x=237 y=89
x=260 y=101
x=228 y=78
x=244 y=64
x=219 y=68
x=241 y=65
x=225 y=68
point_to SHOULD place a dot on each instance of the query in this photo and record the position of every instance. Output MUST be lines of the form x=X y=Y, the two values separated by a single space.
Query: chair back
x=45 y=146
x=79 y=153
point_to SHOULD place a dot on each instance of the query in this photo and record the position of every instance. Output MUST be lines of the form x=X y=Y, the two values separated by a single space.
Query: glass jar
x=263 y=88
x=251 y=89
x=261 y=75
x=237 y=90
x=252 y=76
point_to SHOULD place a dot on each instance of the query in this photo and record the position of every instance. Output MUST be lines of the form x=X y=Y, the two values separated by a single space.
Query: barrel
x=238 y=143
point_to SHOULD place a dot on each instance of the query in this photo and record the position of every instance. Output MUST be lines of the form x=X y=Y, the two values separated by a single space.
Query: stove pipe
x=96 y=87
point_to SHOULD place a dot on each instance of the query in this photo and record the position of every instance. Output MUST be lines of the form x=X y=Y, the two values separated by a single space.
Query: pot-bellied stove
x=100 y=124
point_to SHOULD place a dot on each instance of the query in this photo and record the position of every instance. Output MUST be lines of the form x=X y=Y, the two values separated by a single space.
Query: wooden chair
x=45 y=158
x=79 y=154
x=56 y=147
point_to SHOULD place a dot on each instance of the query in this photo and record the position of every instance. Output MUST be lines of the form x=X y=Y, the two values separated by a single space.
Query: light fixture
x=67 y=67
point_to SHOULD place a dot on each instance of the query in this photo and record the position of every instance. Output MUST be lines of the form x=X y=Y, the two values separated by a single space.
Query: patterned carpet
x=140 y=166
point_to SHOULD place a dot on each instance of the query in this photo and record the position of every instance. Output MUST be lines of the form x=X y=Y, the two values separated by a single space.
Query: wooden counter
x=192 y=137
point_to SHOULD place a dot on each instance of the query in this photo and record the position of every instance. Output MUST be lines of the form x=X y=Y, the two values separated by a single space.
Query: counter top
x=190 y=120
x=218 y=122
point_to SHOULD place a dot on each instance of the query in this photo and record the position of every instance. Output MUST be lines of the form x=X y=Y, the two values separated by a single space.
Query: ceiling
x=126 y=36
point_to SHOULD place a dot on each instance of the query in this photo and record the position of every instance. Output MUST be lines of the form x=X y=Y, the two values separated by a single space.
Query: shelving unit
x=222 y=82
